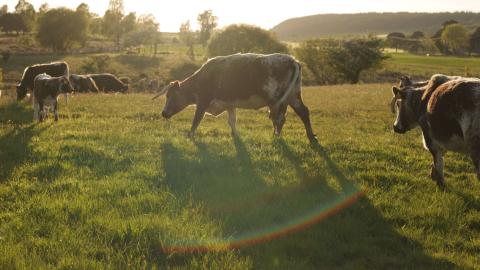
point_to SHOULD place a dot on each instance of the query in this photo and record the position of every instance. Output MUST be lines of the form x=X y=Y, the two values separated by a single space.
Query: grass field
x=425 y=66
x=114 y=186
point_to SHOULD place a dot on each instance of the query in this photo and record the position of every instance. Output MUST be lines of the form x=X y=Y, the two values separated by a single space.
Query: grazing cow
x=248 y=81
x=109 y=83
x=83 y=83
x=55 y=69
x=45 y=93
x=448 y=112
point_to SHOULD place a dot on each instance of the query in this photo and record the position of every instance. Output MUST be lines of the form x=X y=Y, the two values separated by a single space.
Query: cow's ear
x=396 y=91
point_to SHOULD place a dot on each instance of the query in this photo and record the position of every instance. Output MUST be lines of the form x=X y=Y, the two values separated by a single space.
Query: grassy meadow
x=114 y=186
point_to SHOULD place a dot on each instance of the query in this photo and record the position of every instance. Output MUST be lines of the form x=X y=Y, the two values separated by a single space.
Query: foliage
x=334 y=61
x=207 y=22
x=187 y=36
x=96 y=64
x=455 y=37
x=244 y=39
x=396 y=40
x=475 y=41
x=3 y=10
x=27 y=12
x=12 y=22
x=183 y=71
x=73 y=30
x=417 y=35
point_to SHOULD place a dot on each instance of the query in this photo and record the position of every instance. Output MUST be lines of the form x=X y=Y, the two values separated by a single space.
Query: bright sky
x=265 y=13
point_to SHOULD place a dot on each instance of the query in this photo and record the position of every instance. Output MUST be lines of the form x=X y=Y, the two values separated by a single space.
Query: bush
x=244 y=39
x=183 y=71
x=337 y=61
x=96 y=64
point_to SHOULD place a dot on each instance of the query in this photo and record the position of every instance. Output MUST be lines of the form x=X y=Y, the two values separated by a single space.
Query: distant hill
x=323 y=25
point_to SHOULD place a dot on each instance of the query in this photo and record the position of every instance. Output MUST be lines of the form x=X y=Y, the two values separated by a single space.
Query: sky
x=267 y=13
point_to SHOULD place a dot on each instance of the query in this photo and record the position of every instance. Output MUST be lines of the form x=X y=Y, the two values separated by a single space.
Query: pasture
x=114 y=186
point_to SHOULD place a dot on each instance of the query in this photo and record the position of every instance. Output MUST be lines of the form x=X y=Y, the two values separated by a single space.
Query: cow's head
x=404 y=103
x=405 y=81
x=21 y=92
x=177 y=99
x=65 y=85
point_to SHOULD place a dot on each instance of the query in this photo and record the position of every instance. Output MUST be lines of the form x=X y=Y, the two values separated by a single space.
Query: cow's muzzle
x=166 y=115
x=399 y=130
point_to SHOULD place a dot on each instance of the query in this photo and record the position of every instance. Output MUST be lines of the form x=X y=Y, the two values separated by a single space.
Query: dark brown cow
x=248 y=81
x=45 y=93
x=83 y=83
x=109 y=83
x=55 y=69
x=448 y=112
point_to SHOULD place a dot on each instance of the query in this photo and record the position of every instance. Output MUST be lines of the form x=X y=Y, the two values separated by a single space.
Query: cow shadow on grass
x=237 y=195
x=15 y=149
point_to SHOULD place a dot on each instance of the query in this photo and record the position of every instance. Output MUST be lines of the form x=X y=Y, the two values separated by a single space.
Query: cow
x=55 y=69
x=46 y=90
x=247 y=81
x=125 y=80
x=109 y=83
x=447 y=110
x=83 y=83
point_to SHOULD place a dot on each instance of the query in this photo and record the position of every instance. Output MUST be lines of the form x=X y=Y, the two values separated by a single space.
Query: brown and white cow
x=83 y=83
x=247 y=81
x=45 y=94
x=447 y=110
x=55 y=69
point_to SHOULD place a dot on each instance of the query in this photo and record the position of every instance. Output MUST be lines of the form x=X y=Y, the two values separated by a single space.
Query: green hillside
x=368 y=23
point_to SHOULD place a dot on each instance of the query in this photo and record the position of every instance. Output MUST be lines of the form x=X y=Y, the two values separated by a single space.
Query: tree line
x=452 y=39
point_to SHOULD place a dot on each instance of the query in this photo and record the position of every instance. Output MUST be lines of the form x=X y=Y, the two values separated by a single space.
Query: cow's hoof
x=191 y=135
x=313 y=139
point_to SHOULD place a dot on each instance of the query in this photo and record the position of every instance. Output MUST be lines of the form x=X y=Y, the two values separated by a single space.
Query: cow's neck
x=420 y=103
x=190 y=90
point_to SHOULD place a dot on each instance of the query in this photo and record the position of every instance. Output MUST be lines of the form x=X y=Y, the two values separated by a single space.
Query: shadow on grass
x=239 y=198
x=14 y=145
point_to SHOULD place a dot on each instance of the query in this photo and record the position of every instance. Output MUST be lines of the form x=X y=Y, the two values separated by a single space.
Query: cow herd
x=446 y=108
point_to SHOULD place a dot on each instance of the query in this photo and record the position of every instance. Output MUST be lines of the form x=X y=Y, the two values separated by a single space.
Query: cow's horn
x=161 y=93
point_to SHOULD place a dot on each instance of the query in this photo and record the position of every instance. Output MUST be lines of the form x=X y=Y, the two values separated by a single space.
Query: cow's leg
x=55 y=110
x=277 y=114
x=232 y=120
x=41 y=111
x=474 y=143
x=302 y=111
x=199 y=114
x=437 y=154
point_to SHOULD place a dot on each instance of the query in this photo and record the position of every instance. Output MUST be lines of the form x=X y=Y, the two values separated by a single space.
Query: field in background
x=424 y=66
x=112 y=185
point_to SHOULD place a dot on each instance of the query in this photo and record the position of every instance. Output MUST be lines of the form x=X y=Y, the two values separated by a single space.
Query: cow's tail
x=294 y=82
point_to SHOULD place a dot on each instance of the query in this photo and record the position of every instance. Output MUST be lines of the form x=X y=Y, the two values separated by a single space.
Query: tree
x=27 y=12
x=438 y=37
x=43 y=9
x=3 y=10
x=417 y=35
x=72 y=32
x=112 y=21
x=354 y=56
x=244 y=39
x=187 y=36
x=12 y=22
x=336 y=61
x=146 y=32
x=475 y=42
x=396 y=40
x=455 y=37
x=207 y=23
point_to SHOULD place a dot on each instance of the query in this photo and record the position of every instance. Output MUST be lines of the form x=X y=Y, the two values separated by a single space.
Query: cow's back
x=53 y=69
x=108 y=82
x=241 y=76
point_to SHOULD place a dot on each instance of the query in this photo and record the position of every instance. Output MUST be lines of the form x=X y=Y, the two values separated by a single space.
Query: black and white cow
x=45 y=94
x=83 y=83
x=107 y=82
x=447 y=110
x=248 y=81
x=55 y=69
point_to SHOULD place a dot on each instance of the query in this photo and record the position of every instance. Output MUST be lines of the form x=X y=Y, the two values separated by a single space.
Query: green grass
x=425 y=66
x=114 y=186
